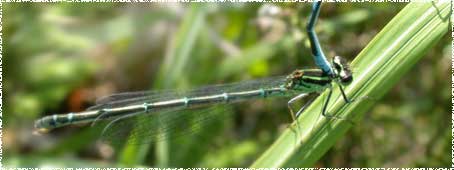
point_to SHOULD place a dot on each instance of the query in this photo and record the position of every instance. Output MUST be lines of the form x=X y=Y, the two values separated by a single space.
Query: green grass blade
x=394 y=51
x=172 y=68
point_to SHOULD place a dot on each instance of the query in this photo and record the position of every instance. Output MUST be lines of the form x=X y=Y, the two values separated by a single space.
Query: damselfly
x=158 y=111
x=161 y=106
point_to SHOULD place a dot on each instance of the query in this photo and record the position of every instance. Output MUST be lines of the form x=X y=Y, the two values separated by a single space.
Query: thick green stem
x=395 y=50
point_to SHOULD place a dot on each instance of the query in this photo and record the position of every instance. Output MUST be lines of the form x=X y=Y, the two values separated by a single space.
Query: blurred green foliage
x=61 y=57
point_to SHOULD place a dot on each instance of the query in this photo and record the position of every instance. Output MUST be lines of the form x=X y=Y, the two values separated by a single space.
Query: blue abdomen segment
x=317 y=52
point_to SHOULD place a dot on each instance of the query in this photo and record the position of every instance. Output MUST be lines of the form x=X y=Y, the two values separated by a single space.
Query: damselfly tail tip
x=40 y=131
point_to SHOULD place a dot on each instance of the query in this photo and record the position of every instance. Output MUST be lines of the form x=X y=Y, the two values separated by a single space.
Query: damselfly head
x=342 y=70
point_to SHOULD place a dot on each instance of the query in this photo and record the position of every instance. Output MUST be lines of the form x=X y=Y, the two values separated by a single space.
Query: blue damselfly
x=160 y=114
x=163 y=106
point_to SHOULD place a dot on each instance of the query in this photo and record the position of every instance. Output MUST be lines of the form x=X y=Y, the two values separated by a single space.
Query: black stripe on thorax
x=316 y=77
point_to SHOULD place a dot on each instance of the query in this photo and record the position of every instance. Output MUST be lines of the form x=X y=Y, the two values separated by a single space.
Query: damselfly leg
x=295 y=115
x=293 y=100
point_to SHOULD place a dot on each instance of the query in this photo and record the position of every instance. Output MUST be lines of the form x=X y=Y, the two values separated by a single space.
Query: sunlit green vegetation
x=61 y=57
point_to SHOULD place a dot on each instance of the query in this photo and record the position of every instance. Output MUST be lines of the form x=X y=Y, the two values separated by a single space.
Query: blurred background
x=60 y=57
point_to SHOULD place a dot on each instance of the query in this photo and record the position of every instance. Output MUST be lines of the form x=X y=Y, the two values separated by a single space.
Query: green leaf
x=172 y=69
x=395 y=50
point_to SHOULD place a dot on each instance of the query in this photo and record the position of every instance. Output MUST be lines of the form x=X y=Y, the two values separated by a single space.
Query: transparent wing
x=128 y=98
x=140 y=97
x=172 y=123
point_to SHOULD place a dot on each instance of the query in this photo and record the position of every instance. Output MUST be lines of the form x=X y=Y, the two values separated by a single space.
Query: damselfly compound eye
x=342 y=70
